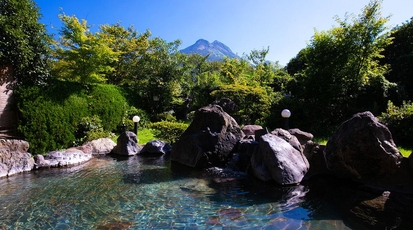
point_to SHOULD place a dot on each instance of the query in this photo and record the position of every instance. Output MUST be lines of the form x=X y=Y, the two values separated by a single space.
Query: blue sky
x=243 y=25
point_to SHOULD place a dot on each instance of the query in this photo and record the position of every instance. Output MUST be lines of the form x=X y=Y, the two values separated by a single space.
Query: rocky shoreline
x=361 y=151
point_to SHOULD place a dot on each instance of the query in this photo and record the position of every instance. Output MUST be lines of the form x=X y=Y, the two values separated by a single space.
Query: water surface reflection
x=142 y=193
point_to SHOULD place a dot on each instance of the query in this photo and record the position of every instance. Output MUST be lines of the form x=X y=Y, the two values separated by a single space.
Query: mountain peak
x=216 y=50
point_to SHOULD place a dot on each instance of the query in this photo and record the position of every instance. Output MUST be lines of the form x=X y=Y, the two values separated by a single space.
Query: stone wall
x=8 y=108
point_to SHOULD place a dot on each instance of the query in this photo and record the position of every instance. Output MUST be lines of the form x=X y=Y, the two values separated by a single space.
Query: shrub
x=44 y=124
x=168 y=131
x=127 y=122
x=400 y=122
x=166 y=116
x=56 y=117
x=88 y=129
x=107 y=102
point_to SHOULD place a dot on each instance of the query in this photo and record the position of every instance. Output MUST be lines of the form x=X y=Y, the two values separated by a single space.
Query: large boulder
x=127 y=144
x=277 y=160
x=155 y=147
x=209 y=139
x=292 y=140
x=100 y=146
x=14 y=157
x=362 y=148
x=66 y=158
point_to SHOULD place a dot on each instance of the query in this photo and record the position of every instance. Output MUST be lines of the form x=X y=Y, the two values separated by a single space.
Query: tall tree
x=130 y=45
x=24 y=43
x=81 y=55
x=399 y=55
x=156 y=76
x=342 y=74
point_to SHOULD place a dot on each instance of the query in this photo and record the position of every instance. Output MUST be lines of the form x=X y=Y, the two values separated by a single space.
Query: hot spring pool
x=146 y=193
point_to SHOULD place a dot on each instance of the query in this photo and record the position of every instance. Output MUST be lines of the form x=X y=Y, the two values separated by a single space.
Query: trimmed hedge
x=50 y=118
x=168 y=131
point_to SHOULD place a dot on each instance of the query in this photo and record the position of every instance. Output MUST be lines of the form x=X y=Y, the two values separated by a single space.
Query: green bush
x=51 y=118
x=127 y=122
x=88 y=129
x=400 y=122
x=43 y=123
x=166 y=116
x=168 y=131
x=107 y=102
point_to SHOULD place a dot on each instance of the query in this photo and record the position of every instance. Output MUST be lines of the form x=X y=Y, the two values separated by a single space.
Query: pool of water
x=147 y=193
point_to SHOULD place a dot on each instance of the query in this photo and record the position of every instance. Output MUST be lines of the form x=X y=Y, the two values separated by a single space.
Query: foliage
x=55 y=117
x=399 y=55
x=341 y=74
x=24 y=43
x=168 y=131
x=130 y=47
x=400 y=122
x=156 y=76
x=44 y=124
x=107 y=102
x=88 y=129
x=146 y=135
x=254 y=102
x=127 y=122
x=165 y=116
x=80 y=55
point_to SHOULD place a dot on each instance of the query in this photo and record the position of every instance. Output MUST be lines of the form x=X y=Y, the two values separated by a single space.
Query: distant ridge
x=216 y=50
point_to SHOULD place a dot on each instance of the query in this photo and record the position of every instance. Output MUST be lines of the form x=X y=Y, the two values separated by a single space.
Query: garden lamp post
x=136 y=119
x=286 y=114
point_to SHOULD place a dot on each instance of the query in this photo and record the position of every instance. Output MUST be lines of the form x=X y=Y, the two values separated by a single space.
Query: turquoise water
x=147 y=193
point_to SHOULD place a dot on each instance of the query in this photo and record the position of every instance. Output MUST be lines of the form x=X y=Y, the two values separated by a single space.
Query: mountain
x=216 y=50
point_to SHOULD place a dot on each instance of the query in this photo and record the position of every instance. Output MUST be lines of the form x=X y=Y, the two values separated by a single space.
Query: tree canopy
x=24 y=43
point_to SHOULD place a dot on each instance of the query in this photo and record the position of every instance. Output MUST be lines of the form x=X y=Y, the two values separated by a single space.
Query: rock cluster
x=14 y=157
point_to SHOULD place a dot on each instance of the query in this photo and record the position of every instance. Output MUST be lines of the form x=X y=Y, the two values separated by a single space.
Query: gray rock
x=362 y=148
x=127 y=144
x=209 y=139
x=249 y=130
x=100 y=146
x=14 y=157
x=303 y=137
x=277 y=160
x=292 y=140
x=66 y=158
x=155 y=147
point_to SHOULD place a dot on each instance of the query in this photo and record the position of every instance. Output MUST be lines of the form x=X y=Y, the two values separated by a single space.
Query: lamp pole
x=286 y=114
x=136 y=119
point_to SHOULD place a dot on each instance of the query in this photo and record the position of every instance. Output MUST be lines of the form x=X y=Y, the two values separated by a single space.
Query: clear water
x=146 y=193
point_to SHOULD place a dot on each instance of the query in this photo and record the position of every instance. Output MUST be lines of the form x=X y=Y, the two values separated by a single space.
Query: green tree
x=200 y=77
x=24 y=43
x=342 y=74
x=156 y=76
x=254 y=102
x=129 y=45
x=81 y=55
x=399 y=55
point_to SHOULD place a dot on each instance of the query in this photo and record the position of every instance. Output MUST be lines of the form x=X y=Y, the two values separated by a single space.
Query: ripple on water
x=141 y=193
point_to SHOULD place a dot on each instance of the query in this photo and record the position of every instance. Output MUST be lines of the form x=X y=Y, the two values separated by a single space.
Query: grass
x=144 y=136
